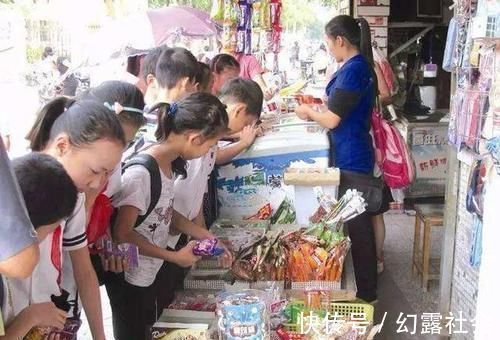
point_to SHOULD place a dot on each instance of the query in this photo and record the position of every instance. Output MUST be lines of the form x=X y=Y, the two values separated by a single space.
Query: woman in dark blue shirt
x=351 y=96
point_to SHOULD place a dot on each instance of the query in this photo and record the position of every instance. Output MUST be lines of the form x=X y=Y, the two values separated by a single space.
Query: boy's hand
x=185 y=256
x=53 y=336
x=114 y=264
x=248 y=135
x=47 y=315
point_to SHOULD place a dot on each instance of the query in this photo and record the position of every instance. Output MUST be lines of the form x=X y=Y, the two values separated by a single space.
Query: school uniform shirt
x=136 y=192
x=189 y=191
x=47 y=278
x=68 y=281
x=351 y=94
x=10 y=303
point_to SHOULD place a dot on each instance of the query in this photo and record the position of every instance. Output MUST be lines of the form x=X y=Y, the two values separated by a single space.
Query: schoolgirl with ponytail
x=186 y=130
x=87 y=139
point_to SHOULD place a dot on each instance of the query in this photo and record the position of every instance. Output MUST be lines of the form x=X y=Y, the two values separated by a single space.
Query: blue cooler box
x=255 y=177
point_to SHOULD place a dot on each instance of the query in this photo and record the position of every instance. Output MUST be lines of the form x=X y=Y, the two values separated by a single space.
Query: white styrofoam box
x=306 y=202
x=255 y=178
x=373 y=11
x=379 y=21
x=379 y=32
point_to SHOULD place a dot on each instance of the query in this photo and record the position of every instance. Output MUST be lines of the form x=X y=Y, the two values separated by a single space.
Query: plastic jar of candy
x=243 y=315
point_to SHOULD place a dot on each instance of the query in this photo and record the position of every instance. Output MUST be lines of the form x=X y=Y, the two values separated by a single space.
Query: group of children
x=78 y=175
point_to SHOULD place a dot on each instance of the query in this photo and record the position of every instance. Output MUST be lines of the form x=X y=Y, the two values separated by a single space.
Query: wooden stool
x=432 y=215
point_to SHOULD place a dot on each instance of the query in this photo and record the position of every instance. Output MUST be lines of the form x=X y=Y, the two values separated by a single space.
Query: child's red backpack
x=100 y=218
x=391 y=153
x=104 y=214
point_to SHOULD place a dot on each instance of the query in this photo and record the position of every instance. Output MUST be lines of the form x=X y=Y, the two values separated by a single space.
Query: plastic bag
x=386 y=68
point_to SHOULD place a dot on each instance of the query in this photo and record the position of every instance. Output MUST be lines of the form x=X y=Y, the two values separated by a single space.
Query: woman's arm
x=325 y=117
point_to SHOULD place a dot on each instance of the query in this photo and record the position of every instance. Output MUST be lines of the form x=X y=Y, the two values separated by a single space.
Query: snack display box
x=254 y=179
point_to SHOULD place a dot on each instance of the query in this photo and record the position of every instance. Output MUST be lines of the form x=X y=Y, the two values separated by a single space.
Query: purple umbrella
x=180 y=20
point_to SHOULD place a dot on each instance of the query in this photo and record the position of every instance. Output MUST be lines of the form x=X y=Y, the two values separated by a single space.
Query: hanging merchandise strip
x=473 y=117
x=249 y=25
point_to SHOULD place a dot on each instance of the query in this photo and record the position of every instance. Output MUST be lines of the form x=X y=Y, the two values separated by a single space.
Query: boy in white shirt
x=50 y=196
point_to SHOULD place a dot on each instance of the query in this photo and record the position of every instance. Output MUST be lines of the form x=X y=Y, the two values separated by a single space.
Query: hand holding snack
x=47 y=315
x=302 y=111
x=185 y=257
x=114 y=264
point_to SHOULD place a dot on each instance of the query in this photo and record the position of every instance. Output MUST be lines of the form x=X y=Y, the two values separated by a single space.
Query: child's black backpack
x=148 y=162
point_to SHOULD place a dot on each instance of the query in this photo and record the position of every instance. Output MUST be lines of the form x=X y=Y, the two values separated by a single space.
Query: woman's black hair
x=356 y=31
x=175 y=64
x=199 y=111
x=150 y=61
x=84 y=122
x=222 y=61
x=126 y=94
x=203 y=77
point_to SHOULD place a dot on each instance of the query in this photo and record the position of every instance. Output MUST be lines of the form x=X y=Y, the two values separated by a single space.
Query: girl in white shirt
x=186 y=130
x=127 y=102
x=87 y=139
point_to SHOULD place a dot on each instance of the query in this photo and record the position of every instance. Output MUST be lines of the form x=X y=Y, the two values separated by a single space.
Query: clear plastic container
x=243 y=315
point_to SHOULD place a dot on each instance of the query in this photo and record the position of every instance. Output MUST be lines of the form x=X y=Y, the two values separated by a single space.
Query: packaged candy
x=265 y=13
x=240 y=41
x=243 y=315
x=243 y=14
x=195 y=301
x=285 y=214
x=256 y=15
x=275 y=9
x=228 y=9
x=217 y=12
x=248 y=42
x=283 y=334
x=127 y=251
x=68 y=333
x=263 y=214
x=207 y=248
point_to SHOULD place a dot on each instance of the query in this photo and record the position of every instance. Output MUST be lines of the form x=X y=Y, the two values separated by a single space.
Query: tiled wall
x=376 y=12
x=465 y=277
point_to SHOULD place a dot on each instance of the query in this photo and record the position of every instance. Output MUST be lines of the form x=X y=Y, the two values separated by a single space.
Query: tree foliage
x=205 y=5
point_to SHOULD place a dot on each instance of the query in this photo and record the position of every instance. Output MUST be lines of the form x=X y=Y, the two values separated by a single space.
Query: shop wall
x=465 y=277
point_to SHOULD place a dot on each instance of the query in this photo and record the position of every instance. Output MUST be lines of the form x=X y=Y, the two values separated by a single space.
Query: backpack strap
x=151 y=165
